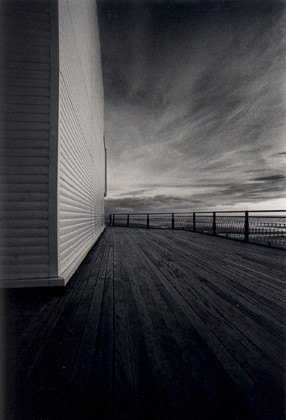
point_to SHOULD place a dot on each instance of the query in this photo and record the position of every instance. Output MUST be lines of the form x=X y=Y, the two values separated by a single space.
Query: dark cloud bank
x=195 y=103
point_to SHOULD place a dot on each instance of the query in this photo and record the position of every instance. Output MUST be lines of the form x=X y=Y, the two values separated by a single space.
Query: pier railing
x=264 y=226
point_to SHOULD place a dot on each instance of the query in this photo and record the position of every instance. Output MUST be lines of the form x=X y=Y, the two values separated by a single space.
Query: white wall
x=81 y=147
x=52 y=150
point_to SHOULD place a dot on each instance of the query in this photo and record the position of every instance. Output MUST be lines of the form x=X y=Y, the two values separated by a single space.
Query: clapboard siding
x=25 y=197
x=21 y=117
x=27 y=66
x=27 y=152
x=24 y=144
x=25 y=81
x=51 y=151
x=23 y=206
x=17 y=224
x=24 y=250
x=27 y=241
x=24 y=227
x=39 y=42
x=32 y=75
x=23 y=188
x=28 y=100
x=25 y=170
x=81 y=151
x=28 y=181
x=29 y=109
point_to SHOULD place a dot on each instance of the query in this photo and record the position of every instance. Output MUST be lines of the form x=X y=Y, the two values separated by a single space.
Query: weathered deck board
x=154 y=324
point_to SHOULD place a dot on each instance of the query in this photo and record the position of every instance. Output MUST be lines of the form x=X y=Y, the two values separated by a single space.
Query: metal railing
x=263 y=226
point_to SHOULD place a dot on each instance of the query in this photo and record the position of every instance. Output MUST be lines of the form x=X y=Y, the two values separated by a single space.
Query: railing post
x=214 y=223
x=110 y=219
x=147 y=220
x=246 y=227
x=127 y=220
x=173 y=221
x=194 y=222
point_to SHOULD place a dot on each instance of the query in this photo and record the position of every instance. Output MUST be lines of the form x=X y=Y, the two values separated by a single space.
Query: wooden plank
x=228 y=282
x=76 y=398
x=25 y=325
x=216 y=284
x=67 y=361
x=168 y=336
x=101 y=396
x=209 y=380
x=159 y=366
x=198 y=312
x=212 y=264
x=195 y=386
x=147 y=401
x=140 y=321
x=125 y=397
x=35 y=367
x=230 y=332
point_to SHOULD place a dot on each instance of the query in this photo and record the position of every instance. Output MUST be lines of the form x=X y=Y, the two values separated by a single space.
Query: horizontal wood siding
x=81 y=149
x=24 y=251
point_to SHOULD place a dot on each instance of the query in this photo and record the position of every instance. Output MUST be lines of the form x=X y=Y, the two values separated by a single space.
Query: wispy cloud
x=194 y=99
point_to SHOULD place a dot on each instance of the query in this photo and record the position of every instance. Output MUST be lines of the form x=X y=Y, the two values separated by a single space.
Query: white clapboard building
x=52 y=153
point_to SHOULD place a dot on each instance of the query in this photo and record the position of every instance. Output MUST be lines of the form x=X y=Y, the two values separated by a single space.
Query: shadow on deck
x=153 y=325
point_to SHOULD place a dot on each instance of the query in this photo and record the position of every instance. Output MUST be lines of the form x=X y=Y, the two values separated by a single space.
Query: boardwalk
x=155 y=324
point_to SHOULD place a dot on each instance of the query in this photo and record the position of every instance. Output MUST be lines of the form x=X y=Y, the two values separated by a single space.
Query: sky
x=194 y=104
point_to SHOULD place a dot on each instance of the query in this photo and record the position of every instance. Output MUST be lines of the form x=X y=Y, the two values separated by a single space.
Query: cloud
x=134 y=193
x=160 y=203
x=194 y=101
x=279 y=154
x=276 y=177
x=267 y=190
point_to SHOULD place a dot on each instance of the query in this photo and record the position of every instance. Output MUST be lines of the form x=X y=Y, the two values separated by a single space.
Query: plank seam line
x=259 y=390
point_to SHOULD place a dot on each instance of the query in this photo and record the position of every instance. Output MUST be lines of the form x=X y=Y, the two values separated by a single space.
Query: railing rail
x=264 y=226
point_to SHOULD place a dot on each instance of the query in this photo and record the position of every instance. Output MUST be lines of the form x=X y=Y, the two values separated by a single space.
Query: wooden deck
x=155 y=324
